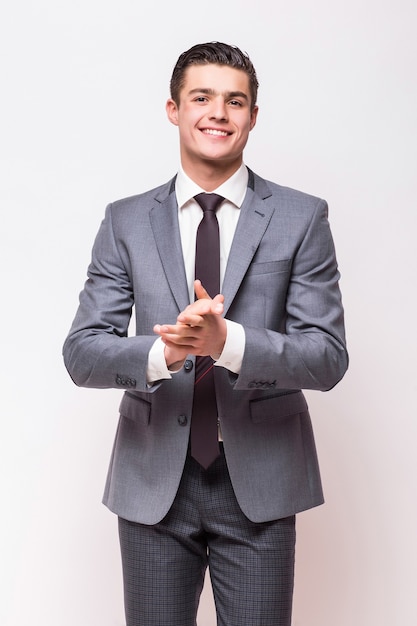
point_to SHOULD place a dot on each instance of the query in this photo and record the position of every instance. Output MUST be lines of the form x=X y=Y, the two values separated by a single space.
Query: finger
x=217 y=304
x=202 y=294
x=196 y=310
x=200 y=291
x=191 y=320
x=161 y=329
x=178 y=334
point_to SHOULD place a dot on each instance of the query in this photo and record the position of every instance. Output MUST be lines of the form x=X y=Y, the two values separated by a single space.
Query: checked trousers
x=251 y=564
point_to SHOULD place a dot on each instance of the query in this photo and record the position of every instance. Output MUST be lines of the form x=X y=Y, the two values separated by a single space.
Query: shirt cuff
x=232 y=356
x=157 y=368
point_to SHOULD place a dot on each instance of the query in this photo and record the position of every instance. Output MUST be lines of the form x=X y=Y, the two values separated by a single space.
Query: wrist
x=173 y=359
x=175 y=366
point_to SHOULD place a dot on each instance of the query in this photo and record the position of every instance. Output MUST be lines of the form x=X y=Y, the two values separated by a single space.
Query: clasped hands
x=200 y=329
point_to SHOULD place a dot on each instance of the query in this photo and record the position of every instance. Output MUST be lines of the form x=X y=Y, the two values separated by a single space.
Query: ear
x=253 y=116
x=172 y=111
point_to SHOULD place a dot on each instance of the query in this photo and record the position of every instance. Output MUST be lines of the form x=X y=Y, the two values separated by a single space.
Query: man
x=273 y=328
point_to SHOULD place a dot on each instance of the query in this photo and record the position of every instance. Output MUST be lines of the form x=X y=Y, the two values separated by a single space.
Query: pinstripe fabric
x=251 y=564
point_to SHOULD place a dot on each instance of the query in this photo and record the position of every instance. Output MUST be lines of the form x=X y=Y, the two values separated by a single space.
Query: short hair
x=216 y=53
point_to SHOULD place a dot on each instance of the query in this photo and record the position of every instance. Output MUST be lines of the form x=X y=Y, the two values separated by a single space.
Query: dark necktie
x=204 y=433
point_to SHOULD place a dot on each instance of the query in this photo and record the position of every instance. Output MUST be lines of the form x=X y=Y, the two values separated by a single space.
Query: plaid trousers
x=251 y=564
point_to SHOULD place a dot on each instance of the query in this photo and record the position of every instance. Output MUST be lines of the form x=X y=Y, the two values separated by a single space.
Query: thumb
x=200 y=291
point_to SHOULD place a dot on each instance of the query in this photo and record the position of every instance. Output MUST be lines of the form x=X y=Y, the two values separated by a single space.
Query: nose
x=218 y=110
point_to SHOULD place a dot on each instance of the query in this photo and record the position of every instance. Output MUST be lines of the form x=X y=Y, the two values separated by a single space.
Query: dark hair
x=216 y=53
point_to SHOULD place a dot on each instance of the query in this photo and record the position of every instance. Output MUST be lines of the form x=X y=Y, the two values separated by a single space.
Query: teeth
x=211 y=131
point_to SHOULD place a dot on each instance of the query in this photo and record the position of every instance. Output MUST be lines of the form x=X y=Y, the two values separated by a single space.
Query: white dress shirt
x=190 y=215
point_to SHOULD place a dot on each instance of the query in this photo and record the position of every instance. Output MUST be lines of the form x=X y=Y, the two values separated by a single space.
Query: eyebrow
x=212 y=92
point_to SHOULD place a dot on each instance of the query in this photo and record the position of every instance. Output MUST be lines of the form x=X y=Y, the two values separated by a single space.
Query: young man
x=274 y=327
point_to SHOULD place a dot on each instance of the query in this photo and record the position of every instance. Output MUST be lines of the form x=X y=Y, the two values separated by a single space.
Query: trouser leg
x=164 y=564
x=251 y=564
x=253 y=581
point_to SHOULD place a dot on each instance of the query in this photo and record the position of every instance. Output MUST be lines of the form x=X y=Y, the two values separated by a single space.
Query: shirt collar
x=233 y=189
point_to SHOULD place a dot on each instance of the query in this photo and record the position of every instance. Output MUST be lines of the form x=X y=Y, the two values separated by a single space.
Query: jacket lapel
x=255 y=215
x=164 y=223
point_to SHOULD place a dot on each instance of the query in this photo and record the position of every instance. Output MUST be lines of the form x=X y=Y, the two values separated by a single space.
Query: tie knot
x=209 y=201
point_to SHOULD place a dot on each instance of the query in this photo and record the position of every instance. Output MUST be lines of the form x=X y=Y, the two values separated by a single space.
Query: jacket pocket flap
x=277 y=407
x=135 y=408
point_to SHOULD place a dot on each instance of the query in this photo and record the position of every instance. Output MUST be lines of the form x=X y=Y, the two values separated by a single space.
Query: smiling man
x=214 y=112
x=234 y=284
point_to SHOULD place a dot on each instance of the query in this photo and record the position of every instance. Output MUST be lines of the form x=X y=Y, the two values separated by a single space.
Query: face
x=214 y=117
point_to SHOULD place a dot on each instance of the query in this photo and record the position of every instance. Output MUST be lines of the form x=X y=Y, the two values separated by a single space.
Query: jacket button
x=182 y=420
x=188 y=365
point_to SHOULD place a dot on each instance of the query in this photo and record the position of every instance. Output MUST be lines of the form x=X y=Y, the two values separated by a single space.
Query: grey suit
x=281 y=284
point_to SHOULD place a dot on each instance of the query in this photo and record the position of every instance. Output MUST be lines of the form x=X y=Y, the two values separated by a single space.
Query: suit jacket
x=281 y=284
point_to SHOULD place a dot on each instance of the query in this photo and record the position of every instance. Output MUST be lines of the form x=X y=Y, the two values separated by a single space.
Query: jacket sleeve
x=97 y=351
x=310 y=350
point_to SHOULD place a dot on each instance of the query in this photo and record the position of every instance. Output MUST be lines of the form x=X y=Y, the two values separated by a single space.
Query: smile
x=217 y=133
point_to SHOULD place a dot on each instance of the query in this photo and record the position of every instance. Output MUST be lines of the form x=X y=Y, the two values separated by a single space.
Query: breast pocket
x=269 y=267
x=261 y=299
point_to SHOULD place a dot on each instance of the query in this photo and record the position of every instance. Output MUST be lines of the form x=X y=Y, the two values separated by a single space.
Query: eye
x=200 y=99
x=235 y=103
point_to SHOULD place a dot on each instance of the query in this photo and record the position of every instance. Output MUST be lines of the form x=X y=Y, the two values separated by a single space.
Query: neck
x=211 y=175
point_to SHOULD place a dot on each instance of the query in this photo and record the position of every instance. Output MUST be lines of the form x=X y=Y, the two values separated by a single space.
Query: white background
x=84 y=85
